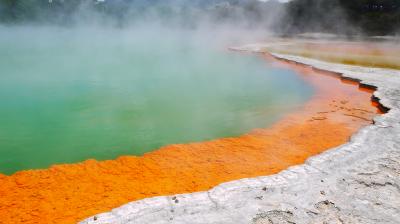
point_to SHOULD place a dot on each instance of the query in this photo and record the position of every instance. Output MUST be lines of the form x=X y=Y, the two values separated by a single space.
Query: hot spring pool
x=67 y=96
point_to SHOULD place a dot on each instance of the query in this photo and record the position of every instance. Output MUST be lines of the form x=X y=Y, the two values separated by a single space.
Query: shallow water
x=66 y=96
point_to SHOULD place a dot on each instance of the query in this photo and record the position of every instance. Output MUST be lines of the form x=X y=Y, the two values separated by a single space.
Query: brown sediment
x=372 y=54
x=68 y=193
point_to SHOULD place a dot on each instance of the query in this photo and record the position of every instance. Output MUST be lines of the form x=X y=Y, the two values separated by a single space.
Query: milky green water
x=67 y=96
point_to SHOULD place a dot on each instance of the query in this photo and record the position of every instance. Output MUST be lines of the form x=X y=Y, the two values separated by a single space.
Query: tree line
x=373 y=17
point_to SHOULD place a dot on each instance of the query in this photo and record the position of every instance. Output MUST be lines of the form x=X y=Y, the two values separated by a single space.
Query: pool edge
x=289 y=193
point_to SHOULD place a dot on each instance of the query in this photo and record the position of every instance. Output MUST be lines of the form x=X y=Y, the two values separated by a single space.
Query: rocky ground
x=358 y=182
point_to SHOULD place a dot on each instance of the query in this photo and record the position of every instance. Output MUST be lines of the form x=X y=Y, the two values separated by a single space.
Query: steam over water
x=70 y=95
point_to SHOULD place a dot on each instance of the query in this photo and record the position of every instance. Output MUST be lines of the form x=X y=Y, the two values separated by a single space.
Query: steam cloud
x=356 y=17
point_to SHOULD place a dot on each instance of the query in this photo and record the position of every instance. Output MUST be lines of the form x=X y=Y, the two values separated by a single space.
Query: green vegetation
x=372 y=17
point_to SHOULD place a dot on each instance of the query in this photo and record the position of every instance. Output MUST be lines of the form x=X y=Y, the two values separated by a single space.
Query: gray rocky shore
x=358 y=182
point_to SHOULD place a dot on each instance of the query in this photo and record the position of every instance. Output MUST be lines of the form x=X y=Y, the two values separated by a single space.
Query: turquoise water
x=67 y=96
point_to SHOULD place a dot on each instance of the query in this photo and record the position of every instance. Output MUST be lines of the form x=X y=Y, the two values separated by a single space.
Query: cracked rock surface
x=358 y=182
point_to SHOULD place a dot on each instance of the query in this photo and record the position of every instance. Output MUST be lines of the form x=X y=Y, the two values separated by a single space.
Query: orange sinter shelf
x=72 y=192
